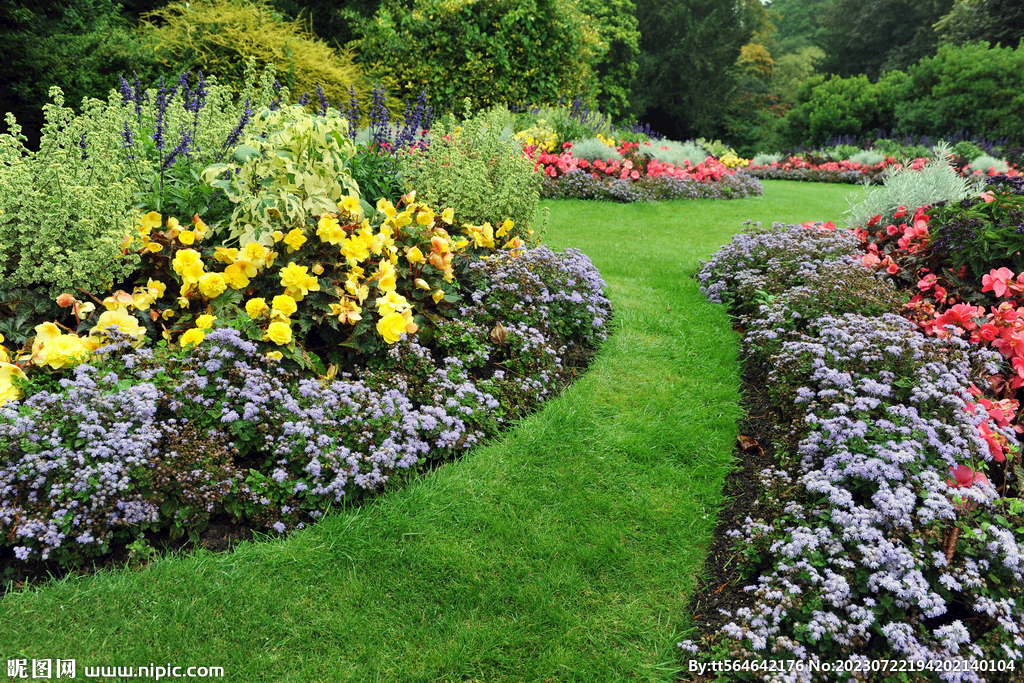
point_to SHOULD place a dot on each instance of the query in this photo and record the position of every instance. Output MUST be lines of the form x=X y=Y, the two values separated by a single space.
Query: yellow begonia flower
x=155 y=288
x=410 y=325
x=199 y=226
x=505 y=227
x=45 y=332
x=391 y=327
x=118 y=299
x=295 y=239
x=284 y=304
x=329 y=229
x=5 y=355
x=167 y=314
x=347 y=312
x=414 y=255
x=187 y=237
x=205 y=321
x=422 y=284
x=172 y=223
x=279 y=333
x=275 y=355
x=155 y=247
x=127 y=323
x=318 y=269
x=358 y=291
x=277 y=235
x=388 y=277
x=257 y=254
x=182 y=302
x=392 y=303
x=9 y=392
x=437 y=296
x=448 y=215
x=297 y=282
x=425 y=217
x=383 y=204
x=352 y=205
x=235 y=276
x=212 y=285
x=149 y=221
x=188 y=264
x=255 y=307
x=193 y=338
x=225 y=255
x=64 y=351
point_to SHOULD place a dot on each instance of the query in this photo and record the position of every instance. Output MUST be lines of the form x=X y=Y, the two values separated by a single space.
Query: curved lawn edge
x=568 y=549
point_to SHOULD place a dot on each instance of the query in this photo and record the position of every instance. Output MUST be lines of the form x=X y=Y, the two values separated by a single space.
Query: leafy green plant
x=867 y=157
x=292 y=166
x=64 y=212
x=985 y=163
x=982 y=235
x=474 y=169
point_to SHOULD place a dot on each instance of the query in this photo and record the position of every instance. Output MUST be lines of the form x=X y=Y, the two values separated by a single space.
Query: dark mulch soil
x=720 y=586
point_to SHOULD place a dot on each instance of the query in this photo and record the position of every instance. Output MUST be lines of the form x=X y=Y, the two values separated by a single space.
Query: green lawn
x=565 y=551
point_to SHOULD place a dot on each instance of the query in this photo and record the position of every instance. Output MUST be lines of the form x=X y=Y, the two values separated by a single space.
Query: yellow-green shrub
x=495 y=51
x=218 y=36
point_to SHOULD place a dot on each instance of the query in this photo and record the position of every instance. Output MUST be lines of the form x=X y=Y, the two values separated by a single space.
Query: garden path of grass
x=564 y=551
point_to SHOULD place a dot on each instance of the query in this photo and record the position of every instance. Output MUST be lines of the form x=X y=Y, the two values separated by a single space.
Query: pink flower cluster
x=557 y=165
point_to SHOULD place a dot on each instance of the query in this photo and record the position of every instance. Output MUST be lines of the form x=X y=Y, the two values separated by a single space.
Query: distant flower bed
x=811 y=168
x=633 y=173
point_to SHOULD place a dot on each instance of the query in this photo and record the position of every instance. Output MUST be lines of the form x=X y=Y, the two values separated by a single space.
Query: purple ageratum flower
x=322 y=111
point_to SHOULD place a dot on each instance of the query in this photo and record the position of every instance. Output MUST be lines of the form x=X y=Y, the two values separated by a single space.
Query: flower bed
x=796 y=167
x=165 y=439
x=890 y=527
x=637 y=176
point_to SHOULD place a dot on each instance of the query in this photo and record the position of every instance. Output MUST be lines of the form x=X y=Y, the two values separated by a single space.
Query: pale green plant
x=765 y=159
x=472 y=168
x=715 y=148
x=936 y=181
x=677 y=153
x=65 y=211
x=867 y=157
x=985 y=162
x=593 y=149
x=291 y=166
x=843 y=152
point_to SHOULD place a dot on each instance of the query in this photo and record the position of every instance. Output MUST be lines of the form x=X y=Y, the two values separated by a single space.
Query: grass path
x=565 y=551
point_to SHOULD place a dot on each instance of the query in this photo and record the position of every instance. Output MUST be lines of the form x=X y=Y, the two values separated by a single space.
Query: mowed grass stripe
x=564 y=551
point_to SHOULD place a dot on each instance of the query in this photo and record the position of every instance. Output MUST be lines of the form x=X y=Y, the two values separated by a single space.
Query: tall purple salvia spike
x=139 y=92
x=353 y=113
x=276 y=104
x=81 y=143
x=380 y=117
x=181 y=148
x=234 y=136
x=161 y=109
x=126 y=90
x=322 y=111
x=129 y=142
x=304 y=100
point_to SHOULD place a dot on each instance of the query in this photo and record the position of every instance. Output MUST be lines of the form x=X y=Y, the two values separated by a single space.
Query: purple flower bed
x=148 y=440
x=816 y=175
x=579 y=184
x=877 y=533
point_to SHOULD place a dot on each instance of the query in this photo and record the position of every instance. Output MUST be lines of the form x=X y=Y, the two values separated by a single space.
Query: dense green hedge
x=974 y=87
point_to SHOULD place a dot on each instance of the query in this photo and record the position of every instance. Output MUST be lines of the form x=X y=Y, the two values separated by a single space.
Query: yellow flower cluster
x=608 y=141
x=732 y=160
x=539 y=136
